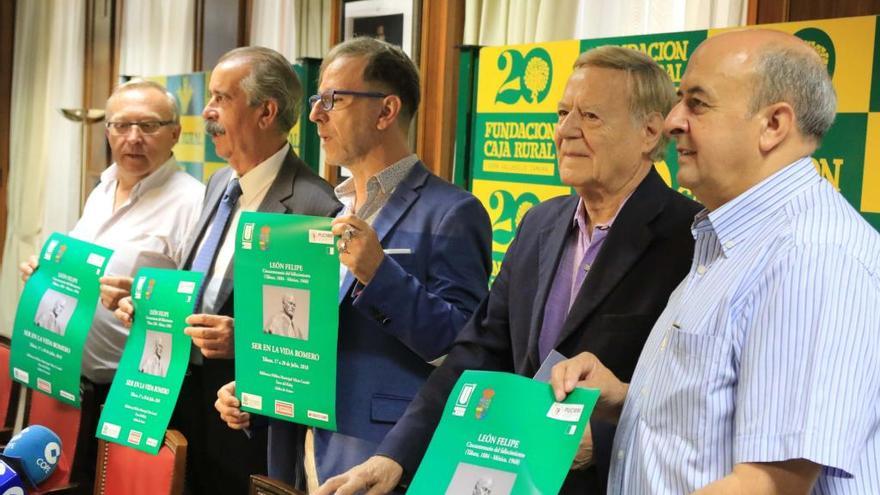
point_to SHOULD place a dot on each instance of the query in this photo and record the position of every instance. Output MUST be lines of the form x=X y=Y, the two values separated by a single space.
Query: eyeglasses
x=328 y=98
x=146 y=127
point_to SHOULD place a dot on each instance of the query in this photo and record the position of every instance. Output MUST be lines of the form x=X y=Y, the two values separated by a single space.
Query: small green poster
x=54 y=315
x=503 y=434
x=155 y=358
x=286 y=317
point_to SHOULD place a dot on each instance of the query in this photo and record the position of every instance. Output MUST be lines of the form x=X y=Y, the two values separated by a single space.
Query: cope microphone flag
x=30 y=456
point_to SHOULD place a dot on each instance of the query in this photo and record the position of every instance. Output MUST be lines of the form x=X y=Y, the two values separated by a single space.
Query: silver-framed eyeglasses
x=146 y=127
x=328 y=98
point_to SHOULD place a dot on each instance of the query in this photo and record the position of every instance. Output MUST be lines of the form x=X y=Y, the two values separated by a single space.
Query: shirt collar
x=745 y=215
x=388 y=179
x=581 y=220
x=260 y=177
x=158 y=177
x=394 y=174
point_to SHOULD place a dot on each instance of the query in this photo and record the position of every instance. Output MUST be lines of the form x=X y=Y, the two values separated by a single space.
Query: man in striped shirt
x=762 y=375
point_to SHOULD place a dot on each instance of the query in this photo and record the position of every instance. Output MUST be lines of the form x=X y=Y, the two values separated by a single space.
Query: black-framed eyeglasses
x=146 y=127
x=328 y=98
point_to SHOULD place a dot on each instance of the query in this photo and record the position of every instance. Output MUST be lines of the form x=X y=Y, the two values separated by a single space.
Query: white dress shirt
x=147 y=230
x=254 y=186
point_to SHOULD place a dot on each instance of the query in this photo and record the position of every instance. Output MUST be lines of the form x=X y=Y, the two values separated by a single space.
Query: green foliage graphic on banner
x=286 y=317
x=503 y=434
x=154 y=361
x=54 y=315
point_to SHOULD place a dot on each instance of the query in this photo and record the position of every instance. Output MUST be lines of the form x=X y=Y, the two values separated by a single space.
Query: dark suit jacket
x=645 y=256
x=409 y=314
x=220 y=459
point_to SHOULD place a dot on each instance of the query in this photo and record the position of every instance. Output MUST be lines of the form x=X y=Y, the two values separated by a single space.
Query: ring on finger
x=349 y=233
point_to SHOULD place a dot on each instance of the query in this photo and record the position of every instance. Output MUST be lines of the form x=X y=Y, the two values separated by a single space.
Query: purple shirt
x=581 y=248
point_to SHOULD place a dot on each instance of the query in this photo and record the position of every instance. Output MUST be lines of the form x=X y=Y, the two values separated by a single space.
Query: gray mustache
x=214 y=128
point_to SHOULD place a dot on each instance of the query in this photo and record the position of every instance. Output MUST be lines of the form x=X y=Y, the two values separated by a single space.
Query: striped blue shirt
x=768 y=350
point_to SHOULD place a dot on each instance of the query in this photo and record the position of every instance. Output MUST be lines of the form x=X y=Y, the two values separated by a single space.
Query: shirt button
x=701 y=269
x=728 y=244
x=586 y=267
x=620 y=455
x=644 y=391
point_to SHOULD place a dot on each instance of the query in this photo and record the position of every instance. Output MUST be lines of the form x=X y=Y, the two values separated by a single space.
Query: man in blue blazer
x=585 y=272
x=415 y=255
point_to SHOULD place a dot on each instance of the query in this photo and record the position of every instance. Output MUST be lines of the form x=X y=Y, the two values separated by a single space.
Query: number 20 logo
x=528 y=77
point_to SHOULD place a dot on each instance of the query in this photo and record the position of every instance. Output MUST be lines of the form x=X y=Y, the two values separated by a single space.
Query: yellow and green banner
x=513 y=158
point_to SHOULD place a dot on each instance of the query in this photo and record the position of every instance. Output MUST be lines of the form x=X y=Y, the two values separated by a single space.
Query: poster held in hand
x=54 y=315
x=286 y=317
x=154 y=361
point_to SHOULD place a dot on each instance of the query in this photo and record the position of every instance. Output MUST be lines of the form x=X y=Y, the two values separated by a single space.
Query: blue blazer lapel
x=551 y=242
x=401 y=200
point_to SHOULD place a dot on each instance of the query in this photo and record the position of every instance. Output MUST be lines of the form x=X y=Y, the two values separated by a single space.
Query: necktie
x=204 y=259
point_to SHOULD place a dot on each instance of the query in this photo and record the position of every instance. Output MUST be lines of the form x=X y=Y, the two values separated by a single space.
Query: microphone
x=33 y=454
x=10 y=482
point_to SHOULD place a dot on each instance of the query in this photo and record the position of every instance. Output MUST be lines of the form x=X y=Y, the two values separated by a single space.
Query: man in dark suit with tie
x=416 y=257
x=254 y=103
x=585 y=272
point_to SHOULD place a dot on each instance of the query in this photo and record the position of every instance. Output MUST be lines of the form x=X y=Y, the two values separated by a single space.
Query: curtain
x=505 y=22
x=44 y=154
x=634 y=17
x=295 y=28
x=157 y=37
x=502 y=22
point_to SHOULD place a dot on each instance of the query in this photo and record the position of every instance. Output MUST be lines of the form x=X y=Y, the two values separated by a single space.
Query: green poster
x=503 y=434
x=286 y=317
x=54 y=315
x=154 y=360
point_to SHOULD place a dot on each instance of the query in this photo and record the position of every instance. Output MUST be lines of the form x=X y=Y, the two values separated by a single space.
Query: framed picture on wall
x=393 y=21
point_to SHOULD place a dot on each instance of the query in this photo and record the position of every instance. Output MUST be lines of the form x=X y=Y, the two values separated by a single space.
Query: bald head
x=751 y=103
x=781 y=68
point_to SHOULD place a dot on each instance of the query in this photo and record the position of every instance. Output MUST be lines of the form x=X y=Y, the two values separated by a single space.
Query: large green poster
x=54 y=315
x=503 y=434
x=286 y=317
x=155 y=358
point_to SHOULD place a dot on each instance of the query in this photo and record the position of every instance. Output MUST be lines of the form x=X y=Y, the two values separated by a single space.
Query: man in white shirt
x=255 y=101
x=143 y=208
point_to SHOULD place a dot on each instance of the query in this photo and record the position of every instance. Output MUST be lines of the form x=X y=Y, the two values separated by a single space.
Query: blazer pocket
x=385 y=408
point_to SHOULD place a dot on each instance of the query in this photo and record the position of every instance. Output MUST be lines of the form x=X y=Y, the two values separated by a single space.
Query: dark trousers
x=219 y=460
x=85 y=464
